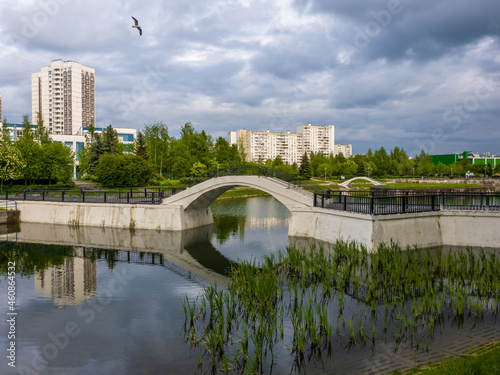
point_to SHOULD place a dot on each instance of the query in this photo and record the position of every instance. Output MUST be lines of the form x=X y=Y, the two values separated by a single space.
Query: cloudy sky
x=416 y=74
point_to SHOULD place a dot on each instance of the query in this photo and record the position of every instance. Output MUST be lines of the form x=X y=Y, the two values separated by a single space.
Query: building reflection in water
x=70 y=283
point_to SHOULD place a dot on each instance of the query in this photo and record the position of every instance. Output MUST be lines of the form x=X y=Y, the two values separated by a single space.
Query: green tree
x=96 y=149
x=140 y=147
x=278 y=161
x=191 y=147
x=423 y=164
x=181 y=160
x=442 y=169
x=324 y=168
x=198 y=169
x=30 y=152
x=305 y=167
x=42 y=134
x=110 y=142
x=225 y=154
x=316 y=159
x=382 y=162
x=489 y=170
x=120 y=171
x=399 y=163
x=159 y=144
x=241 y=150
x=11 y=163
x=6 y=137
x=57 y=162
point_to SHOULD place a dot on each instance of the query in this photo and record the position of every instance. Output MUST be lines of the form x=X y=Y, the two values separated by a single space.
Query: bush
x=118 y=171
x=191 y=180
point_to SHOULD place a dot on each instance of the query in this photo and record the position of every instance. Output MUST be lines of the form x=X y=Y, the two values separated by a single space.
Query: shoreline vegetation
x=314 y=301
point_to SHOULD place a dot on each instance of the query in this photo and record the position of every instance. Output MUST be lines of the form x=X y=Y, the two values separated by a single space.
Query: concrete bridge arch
x=201 y=196
x=374 y=182
x=194 y=202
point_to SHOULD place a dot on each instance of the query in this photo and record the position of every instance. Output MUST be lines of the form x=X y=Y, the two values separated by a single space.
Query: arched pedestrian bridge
x=194 y=202
x=374 y=182
x=199 y=197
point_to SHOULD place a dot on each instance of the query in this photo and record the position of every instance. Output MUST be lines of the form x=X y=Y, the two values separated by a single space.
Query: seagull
x=136 y=26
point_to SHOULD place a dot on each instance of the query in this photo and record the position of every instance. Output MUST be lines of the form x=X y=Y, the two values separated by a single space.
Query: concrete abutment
x=426 y=229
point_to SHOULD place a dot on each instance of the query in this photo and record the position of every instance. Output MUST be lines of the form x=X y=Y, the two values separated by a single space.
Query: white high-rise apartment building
x=64 y=94
x=261 y=146
x=318 y=138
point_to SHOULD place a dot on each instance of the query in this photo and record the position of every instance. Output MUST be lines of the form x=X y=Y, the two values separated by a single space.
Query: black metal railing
x=405 y=202
x=253 y=170
x=130 y=196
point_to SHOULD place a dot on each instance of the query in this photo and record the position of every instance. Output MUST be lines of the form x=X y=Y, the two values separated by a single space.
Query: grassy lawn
x=316 y=181
x=364 y=185
x=242 y=192
x=432 y=185
x=483 y=360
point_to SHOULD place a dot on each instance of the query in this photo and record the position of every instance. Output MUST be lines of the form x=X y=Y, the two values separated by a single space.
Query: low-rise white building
x=76 y=141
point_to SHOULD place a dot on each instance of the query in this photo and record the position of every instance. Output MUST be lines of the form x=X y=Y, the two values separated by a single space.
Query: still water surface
x=87 y=310
x=95 y=301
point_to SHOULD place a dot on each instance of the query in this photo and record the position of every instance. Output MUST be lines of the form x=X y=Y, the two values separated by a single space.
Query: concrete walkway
x=85 y=185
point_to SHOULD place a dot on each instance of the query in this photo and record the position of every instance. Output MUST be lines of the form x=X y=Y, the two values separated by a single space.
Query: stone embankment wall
x=425 y=229
x=9 y=216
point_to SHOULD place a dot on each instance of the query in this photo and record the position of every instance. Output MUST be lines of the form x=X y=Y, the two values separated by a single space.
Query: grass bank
x=431 y=185
x=484 y=360
x=243 y=192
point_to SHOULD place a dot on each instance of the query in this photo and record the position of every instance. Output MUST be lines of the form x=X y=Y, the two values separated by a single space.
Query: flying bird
x=136 y=26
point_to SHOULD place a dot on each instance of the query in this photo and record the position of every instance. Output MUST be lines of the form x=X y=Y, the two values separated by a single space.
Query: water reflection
x=48 y=245
x=236 y=216
x=124 y=290
x=74 y=281
x=247 y=229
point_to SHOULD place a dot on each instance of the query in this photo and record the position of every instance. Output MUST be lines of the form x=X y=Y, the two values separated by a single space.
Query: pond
x=102 y=301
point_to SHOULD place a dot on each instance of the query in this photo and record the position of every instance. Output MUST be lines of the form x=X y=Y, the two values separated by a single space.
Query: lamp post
x=325 y=173
x=413 y=172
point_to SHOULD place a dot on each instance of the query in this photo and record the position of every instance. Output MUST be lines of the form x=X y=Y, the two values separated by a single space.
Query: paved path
x=85 y=185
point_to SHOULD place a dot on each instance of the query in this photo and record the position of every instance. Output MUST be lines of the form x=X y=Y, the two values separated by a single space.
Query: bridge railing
x=253 y=170
x=131 y=196
x=369 y=203
x=8 y=205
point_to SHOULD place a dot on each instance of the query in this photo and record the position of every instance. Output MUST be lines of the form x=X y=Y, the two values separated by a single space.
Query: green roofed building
x=474 y=157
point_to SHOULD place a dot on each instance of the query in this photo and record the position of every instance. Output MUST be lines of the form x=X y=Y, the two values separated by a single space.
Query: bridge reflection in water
x=189 y=252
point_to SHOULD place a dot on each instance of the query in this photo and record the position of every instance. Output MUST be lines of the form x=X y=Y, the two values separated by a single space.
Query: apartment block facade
x=317 y=139
x=345 y=150
x=64 y=95
x=260 y=146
